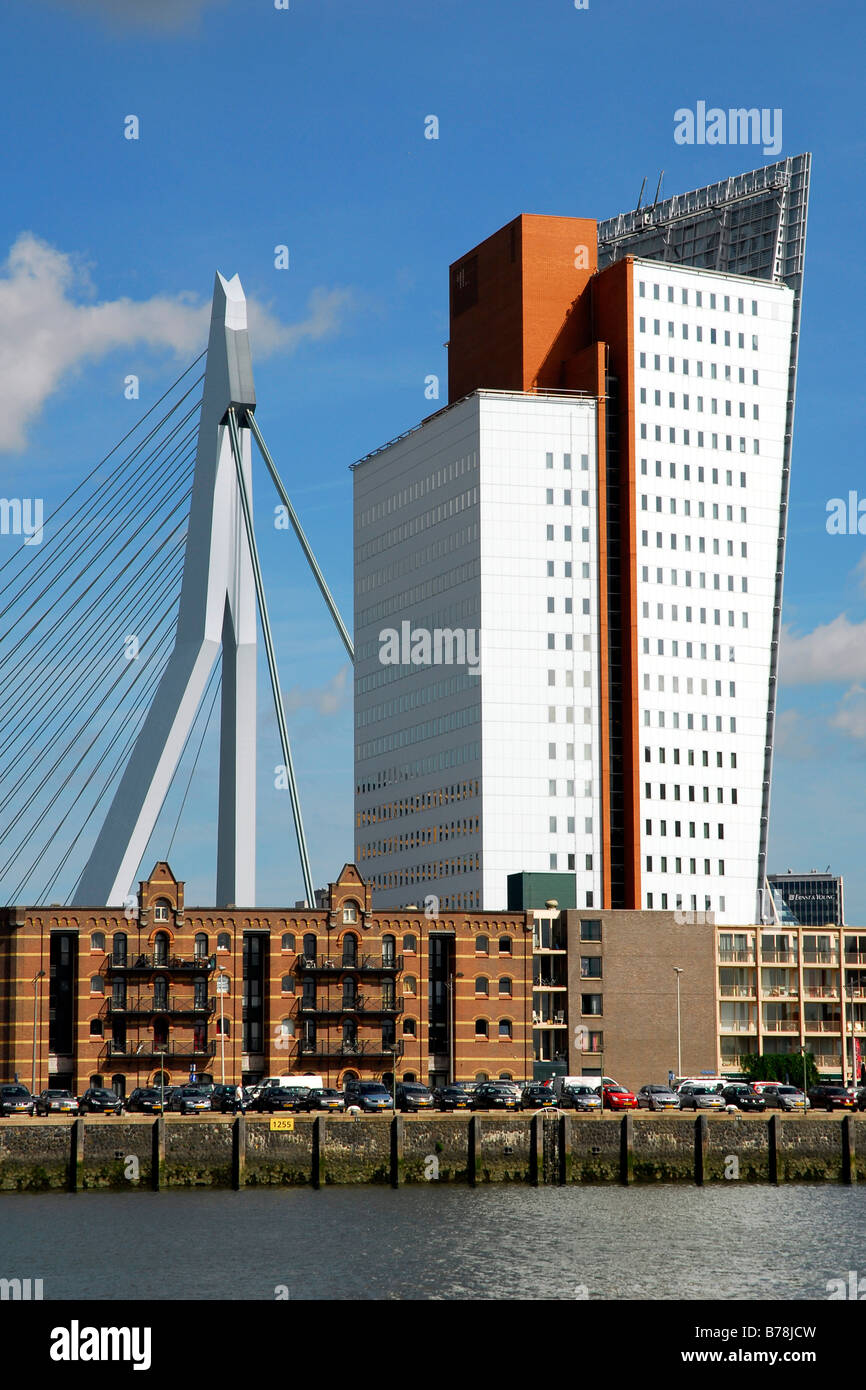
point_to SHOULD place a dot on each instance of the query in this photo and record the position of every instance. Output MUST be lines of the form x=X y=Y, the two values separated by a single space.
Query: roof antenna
x=658 y=187
x=640 y=195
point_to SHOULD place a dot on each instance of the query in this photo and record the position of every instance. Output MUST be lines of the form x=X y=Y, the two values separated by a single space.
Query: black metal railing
x=136 y=961
x=364 y=1048
x=361 y=1004
x=146 y=1047
x=363 y=965
x=143 y=1005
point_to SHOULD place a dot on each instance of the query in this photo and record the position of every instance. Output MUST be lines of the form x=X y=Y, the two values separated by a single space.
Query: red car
x=618 y=1098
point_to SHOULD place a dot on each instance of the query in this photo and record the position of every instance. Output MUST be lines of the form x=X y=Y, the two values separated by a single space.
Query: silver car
x=700 y=1098
x=658 y=1098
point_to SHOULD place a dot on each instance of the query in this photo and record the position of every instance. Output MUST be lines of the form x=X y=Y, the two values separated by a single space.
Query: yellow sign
x=282 y=1122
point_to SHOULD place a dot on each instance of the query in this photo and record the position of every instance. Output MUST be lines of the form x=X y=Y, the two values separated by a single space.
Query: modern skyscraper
x=599 y=514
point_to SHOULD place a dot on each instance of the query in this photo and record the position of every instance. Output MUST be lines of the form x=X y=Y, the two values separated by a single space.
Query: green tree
x=785 y=1067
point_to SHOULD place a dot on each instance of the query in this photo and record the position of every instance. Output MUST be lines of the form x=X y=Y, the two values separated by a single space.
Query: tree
x=786 y=1067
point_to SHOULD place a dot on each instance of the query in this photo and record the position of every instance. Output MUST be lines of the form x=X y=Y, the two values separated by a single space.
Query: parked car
x=453 y=1097
x=578 y=1097
x=369 y=1096
x=699 y=1097
x=144 y=1100
x=496 y=1095
x=537 y=1096
x=831 y=1098
x=274 y=1098
x=784 y=1098
x=16 y=1100
x=412 y=1096
x=56 y=1102
x=325 y=1098
x=744 y=1098
x=657 y=1098
x=618 y=1098
x=861 y=1097
x=97 y=1100
x=189 y=1100
x=224 y=1099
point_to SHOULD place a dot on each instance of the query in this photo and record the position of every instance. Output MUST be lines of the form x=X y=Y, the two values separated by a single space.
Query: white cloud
x=850 y=717
x=792 y=735
x=168 y=15
x=834 y=652
x=326 y=700
x=47 y=332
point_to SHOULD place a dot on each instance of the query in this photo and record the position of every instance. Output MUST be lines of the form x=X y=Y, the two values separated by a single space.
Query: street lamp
x=678 y=970
x=40 y=975
x=222 y=988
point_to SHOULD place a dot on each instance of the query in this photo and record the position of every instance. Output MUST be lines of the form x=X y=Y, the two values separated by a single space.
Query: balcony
x=855 y=958
x=146 y=1047
x=820 y=957
x=779 y=957
x=737 y=991
x=821 y=991
x=363 y=965
x=738 y=1025
x=361 y=1005
x=781 y=1025
x=137 y=964
x=737 y=957
x=347 y=1051
x=823 y=1025
x=144 y=1006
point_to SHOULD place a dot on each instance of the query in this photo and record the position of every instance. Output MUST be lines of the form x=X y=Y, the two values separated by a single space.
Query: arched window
x=410 y=943
x=505 y=945
x=161 y=1078
x=97 y=941
x=118 y=994
x=287 y=984
x=481 y=1027
x=482 y=985
x=161 y=910
x=201 y=950
x=482 y=946
x=224 y=1027
x=505 y=1076
x=505 y=1028
x=504 y=987
x=224 y=941
x=410 y=984
x=350 y=992
x=118 y=1084
x=409 y=1027
x=389 y=950
x=96 y=1027
x=350 y=912
x=287 y=941
x=160 y=1032
x=160 y=994
x=118 y=948
x=310 y=946
x=350 y=1076
x=96 y=1079
x=409 y=1076
x=97 y=984
x=481 y=1076
x=350 y=1035
x=160 y=948
x=350 y=950
x=308 y=999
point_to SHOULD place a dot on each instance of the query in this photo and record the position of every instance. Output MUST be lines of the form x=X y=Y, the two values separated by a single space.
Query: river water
x=720 y=1242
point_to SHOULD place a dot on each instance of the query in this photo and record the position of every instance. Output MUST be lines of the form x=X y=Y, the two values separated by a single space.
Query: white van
x=308 y=1079
x=715 y=1083
x=561 y=1083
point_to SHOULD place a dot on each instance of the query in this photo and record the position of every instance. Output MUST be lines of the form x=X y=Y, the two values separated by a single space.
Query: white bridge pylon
x=221 y=584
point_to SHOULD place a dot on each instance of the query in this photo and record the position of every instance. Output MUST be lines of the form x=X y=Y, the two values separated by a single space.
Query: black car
x=452 y=1097
x=282 y=1098
x=16 y=1100
x=189 y=1100
x=536 y=1096
x=97 y=1100
x=861 y=1097
x=56 y=1102
x=831 y=1098
x=144 y=1100
x=224 y=1099
x=744 y=1098
x=496 y=1095
x=325 y=1098
x=413 y=1096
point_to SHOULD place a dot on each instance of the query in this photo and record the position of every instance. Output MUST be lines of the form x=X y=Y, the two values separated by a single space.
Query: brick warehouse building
x=116 y=994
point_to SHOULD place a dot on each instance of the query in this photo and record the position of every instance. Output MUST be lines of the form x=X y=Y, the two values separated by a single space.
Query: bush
x=785 y=1067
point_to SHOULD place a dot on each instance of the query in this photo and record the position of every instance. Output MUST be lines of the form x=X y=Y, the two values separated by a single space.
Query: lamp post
x=678 y=970
x=40 y=975
x=222 y=988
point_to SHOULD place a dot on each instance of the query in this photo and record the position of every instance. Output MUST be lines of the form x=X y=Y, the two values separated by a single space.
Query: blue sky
x=305 y=127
